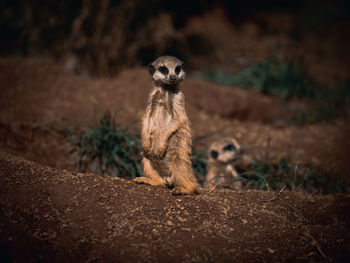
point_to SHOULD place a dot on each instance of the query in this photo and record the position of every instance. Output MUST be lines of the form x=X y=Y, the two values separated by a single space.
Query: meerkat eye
x=229 y=147
x=178 y=69
x=214 y=154
x=164 y=70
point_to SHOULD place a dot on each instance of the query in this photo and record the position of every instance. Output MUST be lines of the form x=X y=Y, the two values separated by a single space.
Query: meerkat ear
x=151 y=69
x=183 y=66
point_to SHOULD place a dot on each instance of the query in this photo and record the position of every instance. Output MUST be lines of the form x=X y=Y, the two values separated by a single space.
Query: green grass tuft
x=287 y=80
x=199 y=163
x=109 y=150
x=271 y=77
x=261 y=175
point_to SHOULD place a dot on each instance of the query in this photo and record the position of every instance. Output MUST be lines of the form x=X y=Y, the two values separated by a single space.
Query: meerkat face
x=167 y=70
x=224 y=150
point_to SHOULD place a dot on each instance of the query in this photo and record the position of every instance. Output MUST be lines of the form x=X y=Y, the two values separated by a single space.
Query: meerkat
x=221 y=172
x=166 y=135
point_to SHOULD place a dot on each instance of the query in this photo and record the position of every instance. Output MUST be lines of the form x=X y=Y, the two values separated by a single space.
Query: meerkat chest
x=160 y=116
x=225 y=170
x=229 y=168
x=164 y=107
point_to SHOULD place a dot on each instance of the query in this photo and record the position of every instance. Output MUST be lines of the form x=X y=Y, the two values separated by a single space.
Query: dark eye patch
x=214 y=154
x=229 y=147
x=178 y=69
x=164 y=70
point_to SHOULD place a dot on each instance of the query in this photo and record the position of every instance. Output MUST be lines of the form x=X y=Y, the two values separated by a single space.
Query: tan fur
x=166 y=135
x=221 y=172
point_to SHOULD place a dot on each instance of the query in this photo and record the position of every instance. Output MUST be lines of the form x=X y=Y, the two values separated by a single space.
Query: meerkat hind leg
x=152 y=177
x=180 y=190
x=237 y=183
x=184 y=181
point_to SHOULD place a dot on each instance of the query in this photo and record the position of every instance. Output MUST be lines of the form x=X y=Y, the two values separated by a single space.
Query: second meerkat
x=221 y=172
x=166 y=135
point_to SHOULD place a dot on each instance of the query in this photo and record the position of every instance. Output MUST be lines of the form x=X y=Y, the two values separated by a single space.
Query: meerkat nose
x=172 y=77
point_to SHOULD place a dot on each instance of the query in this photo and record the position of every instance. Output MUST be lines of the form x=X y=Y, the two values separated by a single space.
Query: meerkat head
x=167 y=71
x=224 y=150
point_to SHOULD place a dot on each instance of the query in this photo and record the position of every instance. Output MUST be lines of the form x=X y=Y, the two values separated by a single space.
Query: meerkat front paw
x=146 y=153
x=146 y=150
x=161 y=154
x=158 y=151
x=146 y=145
x=162 y=149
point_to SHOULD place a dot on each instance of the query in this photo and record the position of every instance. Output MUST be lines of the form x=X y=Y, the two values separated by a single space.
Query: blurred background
x=100 y=38
x=273 y=74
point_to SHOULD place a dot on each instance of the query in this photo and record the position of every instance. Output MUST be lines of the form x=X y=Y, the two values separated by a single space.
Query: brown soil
x=49 y=212
x=54 y=215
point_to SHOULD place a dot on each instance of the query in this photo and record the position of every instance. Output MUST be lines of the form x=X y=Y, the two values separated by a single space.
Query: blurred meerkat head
x=167 y=71
x=224 y=150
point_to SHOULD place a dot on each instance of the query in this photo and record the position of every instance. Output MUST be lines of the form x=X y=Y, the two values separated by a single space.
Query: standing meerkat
x=166 y=135
x=221 y=172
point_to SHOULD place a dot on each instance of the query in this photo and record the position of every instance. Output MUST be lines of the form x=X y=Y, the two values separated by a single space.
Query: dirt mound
x=52 y=215
x=44 y=92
